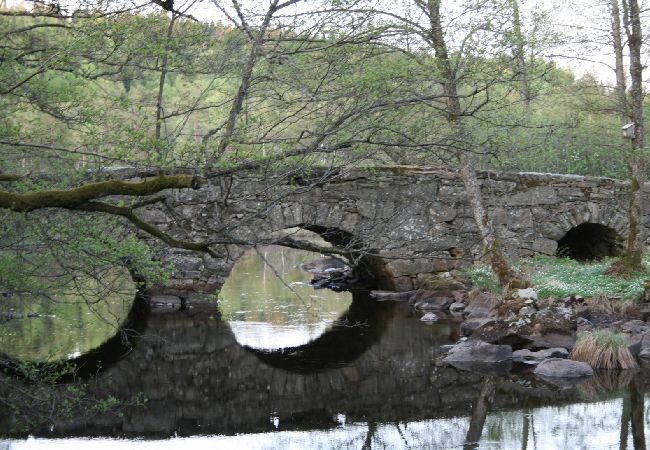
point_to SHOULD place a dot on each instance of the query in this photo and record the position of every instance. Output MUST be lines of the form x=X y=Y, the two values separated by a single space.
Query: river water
x=278 y=365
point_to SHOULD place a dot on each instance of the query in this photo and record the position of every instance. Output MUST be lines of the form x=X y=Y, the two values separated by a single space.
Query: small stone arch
x=590 y=241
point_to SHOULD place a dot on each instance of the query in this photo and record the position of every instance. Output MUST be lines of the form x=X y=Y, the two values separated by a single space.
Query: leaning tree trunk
x=491 y=243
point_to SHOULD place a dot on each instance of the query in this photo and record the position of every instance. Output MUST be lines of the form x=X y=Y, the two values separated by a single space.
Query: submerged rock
x=563 y=368
x=392 y=296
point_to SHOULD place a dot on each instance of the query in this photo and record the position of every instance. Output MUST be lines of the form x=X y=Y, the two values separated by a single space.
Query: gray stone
x=429 y=317
x=529 y=357
x=479 y=352
x=563 y=368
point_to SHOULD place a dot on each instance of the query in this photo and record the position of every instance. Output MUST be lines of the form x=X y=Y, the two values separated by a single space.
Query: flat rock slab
x=563 y=368
x=478 y=352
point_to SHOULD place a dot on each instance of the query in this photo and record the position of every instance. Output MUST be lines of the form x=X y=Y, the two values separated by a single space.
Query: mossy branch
x=72 y=198
x=9 y=177
x=128 y=214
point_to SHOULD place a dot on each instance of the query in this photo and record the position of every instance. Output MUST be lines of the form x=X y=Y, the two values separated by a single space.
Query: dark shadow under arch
x=359 y=328
x=589 y=242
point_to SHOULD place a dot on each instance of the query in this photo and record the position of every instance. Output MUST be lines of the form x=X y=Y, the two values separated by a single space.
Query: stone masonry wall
x=416 y=220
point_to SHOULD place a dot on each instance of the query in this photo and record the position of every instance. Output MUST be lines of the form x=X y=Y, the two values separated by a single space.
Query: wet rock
x=457 y=307
x=478 y=352
x=432 y=299
x=471 y=325
x=530 y=357
x=324 y=266
x=429 y=317
x=392 y=296
x=563 y=368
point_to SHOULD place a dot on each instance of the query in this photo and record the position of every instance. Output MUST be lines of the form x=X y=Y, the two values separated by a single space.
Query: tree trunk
x=617 y=41
x=519 y=53
x=492 y=249
x=636 y=159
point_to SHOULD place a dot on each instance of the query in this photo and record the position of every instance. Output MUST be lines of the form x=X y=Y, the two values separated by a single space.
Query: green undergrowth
x=563 y=277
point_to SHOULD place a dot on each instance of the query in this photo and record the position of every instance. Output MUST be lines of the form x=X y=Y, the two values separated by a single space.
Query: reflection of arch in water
x=95 y=360
x=359 y=328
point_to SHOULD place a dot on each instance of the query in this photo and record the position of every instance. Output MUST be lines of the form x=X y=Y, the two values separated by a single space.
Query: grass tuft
x=603 y=349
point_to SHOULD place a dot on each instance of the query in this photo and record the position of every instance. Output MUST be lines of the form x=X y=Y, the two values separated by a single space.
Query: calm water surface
x=281 y=366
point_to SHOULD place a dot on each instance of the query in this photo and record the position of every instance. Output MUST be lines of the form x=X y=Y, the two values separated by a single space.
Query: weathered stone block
x=542 y=195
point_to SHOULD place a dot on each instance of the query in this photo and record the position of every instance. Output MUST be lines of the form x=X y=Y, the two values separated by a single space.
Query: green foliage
x=563 y=277
x=483 y=279
x=560 y=277
x=605 y=338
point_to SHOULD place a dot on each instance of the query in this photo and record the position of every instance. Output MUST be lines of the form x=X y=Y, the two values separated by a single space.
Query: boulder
x=478 y=352
x=555 y=319
x=563 y=368
x=530 y=357
x=502 y=333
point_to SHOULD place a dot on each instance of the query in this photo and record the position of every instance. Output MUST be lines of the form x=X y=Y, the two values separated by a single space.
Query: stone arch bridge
x=408 y=222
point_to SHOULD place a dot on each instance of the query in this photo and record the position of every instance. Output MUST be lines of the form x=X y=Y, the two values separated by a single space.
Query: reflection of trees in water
x=253 y=291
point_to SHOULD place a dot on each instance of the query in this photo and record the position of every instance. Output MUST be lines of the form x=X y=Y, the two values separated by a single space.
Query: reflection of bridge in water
x=199 y=380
